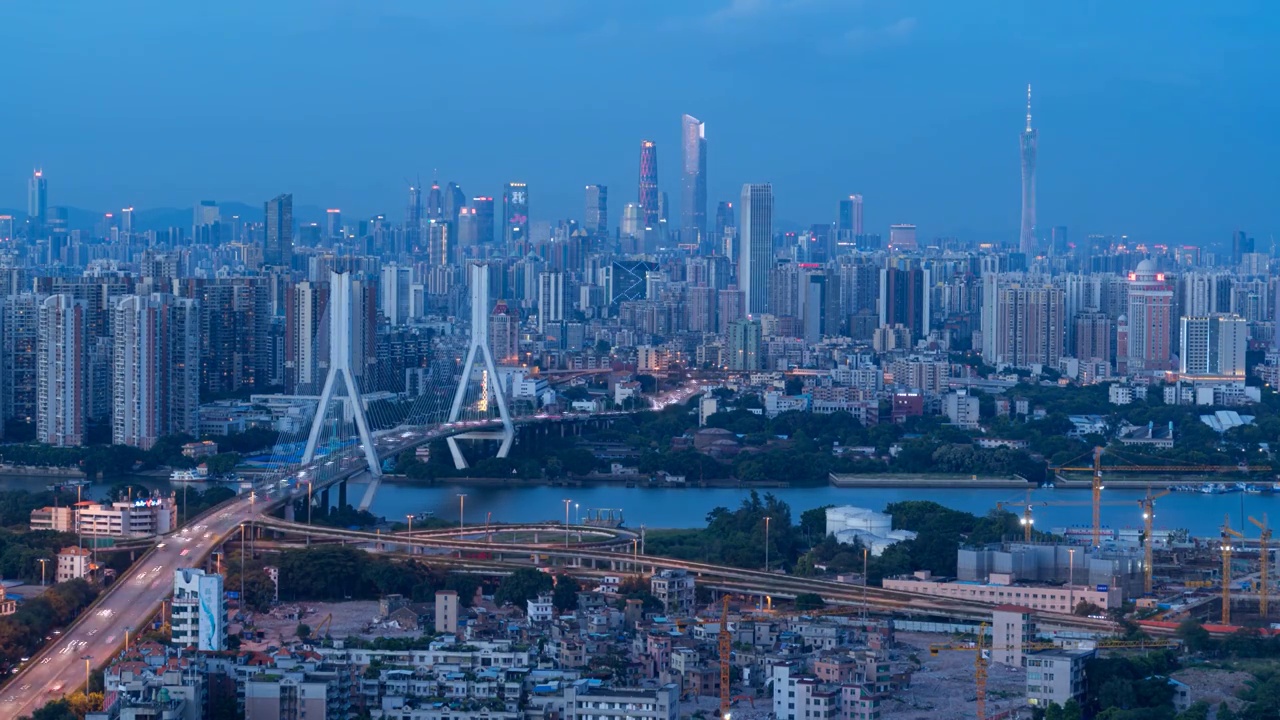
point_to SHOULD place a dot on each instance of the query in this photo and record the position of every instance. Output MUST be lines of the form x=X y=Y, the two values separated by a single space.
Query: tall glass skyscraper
x=649 y=183
x=515 y=214
x=278 y=250
x=596 y=216
x=693 y=180
x=755 y=248
x=37 y=202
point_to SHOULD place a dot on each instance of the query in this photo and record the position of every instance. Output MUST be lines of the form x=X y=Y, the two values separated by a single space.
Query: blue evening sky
x=1157 y=118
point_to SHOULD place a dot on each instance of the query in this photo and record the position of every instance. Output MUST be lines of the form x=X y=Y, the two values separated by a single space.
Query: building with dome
x=1150 y=321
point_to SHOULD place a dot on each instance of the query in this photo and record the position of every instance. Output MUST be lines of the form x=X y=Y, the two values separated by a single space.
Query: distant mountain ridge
x=164 y=218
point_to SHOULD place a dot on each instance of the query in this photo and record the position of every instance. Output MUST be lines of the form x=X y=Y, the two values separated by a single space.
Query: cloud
x=863 y=37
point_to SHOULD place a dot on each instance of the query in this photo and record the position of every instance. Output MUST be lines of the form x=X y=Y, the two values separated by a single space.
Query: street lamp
x=577 y=518
x=86 y=659
x=242 y=568
x=865 y=554
x=410 y=517
x=766 y=542
x=566 y=521
x=462 y=506
x=308 y=502
x=1071 y=580
x=42 y=562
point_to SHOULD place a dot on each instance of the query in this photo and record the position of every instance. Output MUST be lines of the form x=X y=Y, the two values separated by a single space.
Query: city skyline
x=949 y=167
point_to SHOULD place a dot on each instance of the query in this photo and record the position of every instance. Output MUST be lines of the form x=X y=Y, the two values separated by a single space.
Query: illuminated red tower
x=649 y=183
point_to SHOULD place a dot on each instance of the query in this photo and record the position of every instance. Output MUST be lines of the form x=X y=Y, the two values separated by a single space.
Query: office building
x=905 y=299
x=441 y=243
x=648 y=188
x=1214 y=346
x=156 y=377
x=454 y=201
x=550 y=299
x=746 y=351
x=504 y=334
x=693 y=180
x=1241 y=245
x=902 y=237
x=596 y=217
x=849 y=222
x=1028 y=142
x=199 y=610
x=755 y=251
x=38 y=203
x=333 y=224
x=1149 y=320
x=138 y=518
x=395 y=293
x=483 y=208
x=515 y=215
x=820 y=306
x=586 y=702
x=277 y=251
x=62 y=372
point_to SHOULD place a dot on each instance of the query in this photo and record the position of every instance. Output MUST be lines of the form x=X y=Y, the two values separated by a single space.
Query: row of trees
x=22 y=633
x=115 y=460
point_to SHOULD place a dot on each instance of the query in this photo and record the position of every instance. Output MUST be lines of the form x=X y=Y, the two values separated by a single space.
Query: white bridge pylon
x=492 y=382
x=341 y=335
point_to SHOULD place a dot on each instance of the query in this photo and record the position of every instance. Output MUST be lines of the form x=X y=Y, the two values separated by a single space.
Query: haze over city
x=1155 y=118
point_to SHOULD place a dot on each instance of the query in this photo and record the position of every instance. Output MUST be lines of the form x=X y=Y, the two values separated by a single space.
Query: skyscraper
x=550 y=299
x=849 y=222
x=649 y=183
x=454 y=201
x=156 y=389
x=1214 y=345
x=1030 y=325
x=905 y=298
x=278 y=249
x=63 y=374
x=333 y=224
x=596 y=217
x=755 y=252
x=1241 y=244
x=435 y=202
x=38 y=202
x=483 y=205
x=745 y=341
x=1149 y=319
x=515 y=214
x=413 y=214
x=693 y=180
x=1027 y=235
x=504 y=333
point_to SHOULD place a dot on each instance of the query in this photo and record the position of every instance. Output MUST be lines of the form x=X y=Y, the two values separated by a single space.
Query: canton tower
x=1027 y=236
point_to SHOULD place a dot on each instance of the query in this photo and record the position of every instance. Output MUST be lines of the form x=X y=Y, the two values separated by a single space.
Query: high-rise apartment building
x=515 y=214
x=1093 y=336
x=1028 y=142
x=550 y=299
x=1030 y=325
x=63 y=374
x=648 y=191
x=693 y=180
x=235 y=320
x=156 y=379
x=19 y=356
x=277 y=251
x=199 y=608
x=1150 y=319
x=1241 y=245
x=504 y=334
x=905 y=299
x=755 y=251
x=1214 y=346
x=596 y=216
x=746 y=345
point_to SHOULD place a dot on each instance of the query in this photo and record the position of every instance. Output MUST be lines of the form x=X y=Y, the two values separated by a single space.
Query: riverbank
x=926 y=481
x=619 y=481
x=40 y=471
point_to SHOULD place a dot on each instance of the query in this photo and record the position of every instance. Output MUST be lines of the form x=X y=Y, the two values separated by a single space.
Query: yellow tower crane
x=1148 y=505
x=1264 y=542
x=1227 y=535
x=979 y=648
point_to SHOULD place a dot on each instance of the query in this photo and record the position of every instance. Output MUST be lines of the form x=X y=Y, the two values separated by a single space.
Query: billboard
x=212 y=628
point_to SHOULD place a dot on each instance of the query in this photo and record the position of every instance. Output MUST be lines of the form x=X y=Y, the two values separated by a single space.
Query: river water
x=688 y=507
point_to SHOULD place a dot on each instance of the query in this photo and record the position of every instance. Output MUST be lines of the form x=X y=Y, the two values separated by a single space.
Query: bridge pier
x=288 y=511
x=342 y=494
x=324 y=500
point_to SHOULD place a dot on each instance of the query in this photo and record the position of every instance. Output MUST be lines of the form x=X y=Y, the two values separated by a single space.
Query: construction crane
x=1227 y=535
x=1028 y=522
x=1096 y=469
x=725 y=646
x=980 y=660
x=1148 y=505
x=1264 y=541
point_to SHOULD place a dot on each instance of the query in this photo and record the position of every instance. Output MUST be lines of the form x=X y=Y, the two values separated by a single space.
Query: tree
x=522 y=586
x=809 y=601
x=1194 y=636
x=1225 y=712
x=303 y=631
x=565 y=595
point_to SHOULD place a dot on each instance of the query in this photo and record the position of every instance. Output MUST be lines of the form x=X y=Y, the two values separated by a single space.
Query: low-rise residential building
x=142 y=517
x=73 y=562
x=675 y=590
x=600 y=703
x=1055 y=677
x=57 y=519
x=1050 y=598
